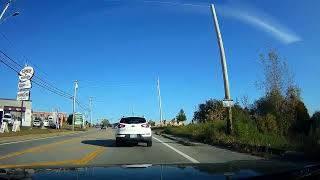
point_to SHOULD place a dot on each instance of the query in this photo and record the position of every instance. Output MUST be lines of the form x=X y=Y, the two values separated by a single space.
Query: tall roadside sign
x=24 y=86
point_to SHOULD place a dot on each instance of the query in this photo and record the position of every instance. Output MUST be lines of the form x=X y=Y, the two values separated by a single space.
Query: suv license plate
x=133 y=136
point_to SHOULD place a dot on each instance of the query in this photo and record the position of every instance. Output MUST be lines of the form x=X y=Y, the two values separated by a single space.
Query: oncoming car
x=133 y=129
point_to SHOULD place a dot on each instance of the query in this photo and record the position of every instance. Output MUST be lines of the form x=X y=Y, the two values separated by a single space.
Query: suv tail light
x=121 y=125
x=145 y=125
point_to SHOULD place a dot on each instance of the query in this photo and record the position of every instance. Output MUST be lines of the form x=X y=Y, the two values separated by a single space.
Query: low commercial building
x=45 y=115
x=18 y=110
x=169 y=123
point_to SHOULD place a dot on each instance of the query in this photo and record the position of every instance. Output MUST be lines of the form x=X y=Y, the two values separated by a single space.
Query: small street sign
x=227 y=103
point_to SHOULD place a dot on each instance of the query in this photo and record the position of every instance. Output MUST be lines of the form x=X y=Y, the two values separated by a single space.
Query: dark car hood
x=233 y=170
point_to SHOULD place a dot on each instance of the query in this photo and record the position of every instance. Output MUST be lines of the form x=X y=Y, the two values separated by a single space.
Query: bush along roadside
x=246 y=138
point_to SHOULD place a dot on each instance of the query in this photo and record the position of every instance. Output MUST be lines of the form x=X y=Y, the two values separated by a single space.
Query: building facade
x=17 y=109
x=45 y=115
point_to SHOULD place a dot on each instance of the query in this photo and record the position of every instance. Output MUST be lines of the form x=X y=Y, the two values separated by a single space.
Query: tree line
x=280 y=110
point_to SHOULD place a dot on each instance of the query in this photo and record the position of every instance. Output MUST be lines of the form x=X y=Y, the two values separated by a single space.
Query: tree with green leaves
x=211 y=110
x=315 y=120
x=181 y=117
x=152 y=123
x=282 y=97
x=105 y=122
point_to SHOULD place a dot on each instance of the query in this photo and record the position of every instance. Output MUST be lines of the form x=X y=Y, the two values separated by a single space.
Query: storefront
x=16 y=109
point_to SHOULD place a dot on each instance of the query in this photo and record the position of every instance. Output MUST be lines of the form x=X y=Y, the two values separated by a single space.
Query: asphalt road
x=97 y=147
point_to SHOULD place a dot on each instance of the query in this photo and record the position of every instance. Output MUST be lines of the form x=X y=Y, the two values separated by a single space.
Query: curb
x=180 y=140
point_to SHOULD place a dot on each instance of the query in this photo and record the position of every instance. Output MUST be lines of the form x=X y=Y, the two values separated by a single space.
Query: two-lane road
x=97 y=147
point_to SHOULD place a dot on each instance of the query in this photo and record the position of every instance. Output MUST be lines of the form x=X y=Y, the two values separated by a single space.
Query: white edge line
x=177 y=151
x=15 y=142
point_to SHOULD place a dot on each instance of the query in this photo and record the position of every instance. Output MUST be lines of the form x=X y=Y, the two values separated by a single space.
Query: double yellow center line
x=83 y=161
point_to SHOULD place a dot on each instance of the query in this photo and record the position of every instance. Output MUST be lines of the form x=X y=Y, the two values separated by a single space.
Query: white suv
x=133 y=129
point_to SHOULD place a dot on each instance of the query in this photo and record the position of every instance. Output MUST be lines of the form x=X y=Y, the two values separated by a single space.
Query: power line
x=40 y=83
x=37 y=77
x=81 y=106
x=36 y=82
x=27 y=61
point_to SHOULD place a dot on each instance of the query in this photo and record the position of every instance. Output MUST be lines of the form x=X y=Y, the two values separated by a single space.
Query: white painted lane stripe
x=177 y=151
x=15 y=142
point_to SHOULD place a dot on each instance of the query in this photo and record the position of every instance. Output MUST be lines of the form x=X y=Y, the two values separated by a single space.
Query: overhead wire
x=35 y=82
x=47 y=84
x=28 y=62
x=43 y=84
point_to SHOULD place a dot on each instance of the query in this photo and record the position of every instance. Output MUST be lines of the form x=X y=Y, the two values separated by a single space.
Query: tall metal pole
x=5 y=9
x=160 y=102
x=227 y=95
x=74 y=103
x=90 y=104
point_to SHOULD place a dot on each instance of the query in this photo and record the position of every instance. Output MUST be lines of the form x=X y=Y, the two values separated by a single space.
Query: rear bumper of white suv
x=136 y=138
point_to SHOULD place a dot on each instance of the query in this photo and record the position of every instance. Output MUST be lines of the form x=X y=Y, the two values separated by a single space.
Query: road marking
x=86 y=159
x=1 y=144
x=177 y=151
x=36 y=149
x=38 y=164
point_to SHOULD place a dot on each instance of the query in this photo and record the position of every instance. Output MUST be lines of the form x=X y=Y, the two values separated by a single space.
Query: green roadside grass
x=245 y=138
x=35 y=130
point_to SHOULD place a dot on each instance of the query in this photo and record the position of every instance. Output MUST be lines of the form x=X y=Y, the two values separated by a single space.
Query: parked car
x=37 y=123
x=52 y=122
x=133 y=129
x=8 y=118
x=46 y=123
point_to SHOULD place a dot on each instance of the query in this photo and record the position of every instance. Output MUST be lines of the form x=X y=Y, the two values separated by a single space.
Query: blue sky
x=117 y=49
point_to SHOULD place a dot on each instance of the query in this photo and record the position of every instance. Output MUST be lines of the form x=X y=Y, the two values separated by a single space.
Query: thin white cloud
x=260 y=20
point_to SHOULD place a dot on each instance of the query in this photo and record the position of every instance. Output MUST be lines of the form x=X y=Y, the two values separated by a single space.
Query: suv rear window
x=133 y=120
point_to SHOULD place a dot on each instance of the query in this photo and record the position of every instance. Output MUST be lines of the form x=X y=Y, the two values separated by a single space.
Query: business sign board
x=16 y=126
x=13 y=108
x=4 y=127
x=24 y=78
x=27 y=71
x=23 y=95
x=78 y=119
x=24 y=84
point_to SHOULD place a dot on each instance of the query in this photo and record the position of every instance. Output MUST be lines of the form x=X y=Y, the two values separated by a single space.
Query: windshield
x=133 y=120
x=114 y=82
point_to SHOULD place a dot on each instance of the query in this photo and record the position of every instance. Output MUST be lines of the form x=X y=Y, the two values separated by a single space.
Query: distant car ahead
x=133 y=129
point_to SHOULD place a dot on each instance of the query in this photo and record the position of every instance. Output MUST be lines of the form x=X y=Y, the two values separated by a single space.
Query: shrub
x=210 y=110
x=243 y=129
x=267 y=123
